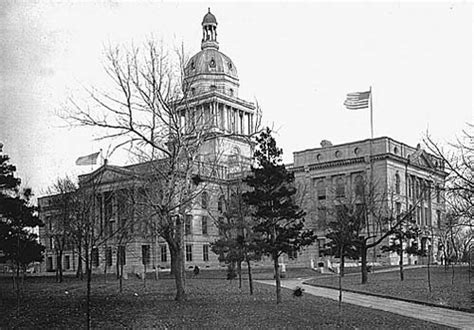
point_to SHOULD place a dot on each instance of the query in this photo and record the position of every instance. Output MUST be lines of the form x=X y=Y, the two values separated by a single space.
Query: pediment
x=422 y=159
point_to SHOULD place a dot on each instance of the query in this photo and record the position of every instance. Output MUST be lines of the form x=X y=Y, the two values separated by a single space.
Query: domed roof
x=210 y=61
x=209 y=18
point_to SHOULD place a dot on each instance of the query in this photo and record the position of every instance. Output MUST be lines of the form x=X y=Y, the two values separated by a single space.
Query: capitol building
x=409 y=175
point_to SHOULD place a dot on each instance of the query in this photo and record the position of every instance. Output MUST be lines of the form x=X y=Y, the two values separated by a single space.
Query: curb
x=419 y=302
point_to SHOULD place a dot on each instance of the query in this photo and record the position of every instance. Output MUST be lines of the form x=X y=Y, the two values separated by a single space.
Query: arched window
x=321 y=190
x=340 y=189
x=397 y=183
x=359 y=186
x=204 y=200
x=220 y=204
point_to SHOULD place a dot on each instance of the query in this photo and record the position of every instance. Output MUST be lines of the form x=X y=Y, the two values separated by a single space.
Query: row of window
x=340 y=187
x=188 y=225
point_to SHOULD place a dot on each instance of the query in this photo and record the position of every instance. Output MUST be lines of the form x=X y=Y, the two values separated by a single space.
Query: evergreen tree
x=17 y=219
x=279 y=222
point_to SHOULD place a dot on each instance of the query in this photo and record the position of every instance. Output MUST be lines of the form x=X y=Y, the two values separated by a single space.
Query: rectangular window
x=145 y=254
x=121 y=255
x=49 y=264
x=321 y=246
x=321 y=189
x=293 y=254
x=108 y=256
x=204 y=225
x=427 y=217
x=108 y=205
x=418 y=215
x=67 y=262
x=398 y=208
x=163 y=253
x=95 y=257
x=322 y=218
x=189 y=252
x=438 y=219
x=221 y=222
x=205 y=252
x=187 y=224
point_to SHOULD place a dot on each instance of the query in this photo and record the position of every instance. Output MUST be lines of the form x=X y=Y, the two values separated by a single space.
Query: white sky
x=298 y=60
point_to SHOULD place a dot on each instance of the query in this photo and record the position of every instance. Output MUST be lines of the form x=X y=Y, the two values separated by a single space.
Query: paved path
x=443 y=316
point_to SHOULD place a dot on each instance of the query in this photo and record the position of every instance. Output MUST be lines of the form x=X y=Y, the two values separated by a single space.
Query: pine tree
x=17 y=219
x=279 y=221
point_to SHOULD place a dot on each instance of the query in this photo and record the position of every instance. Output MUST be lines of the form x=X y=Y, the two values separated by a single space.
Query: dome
x=209 y=18
x=210 y=61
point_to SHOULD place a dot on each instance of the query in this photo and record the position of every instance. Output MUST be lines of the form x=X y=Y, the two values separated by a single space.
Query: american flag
x=358 y=100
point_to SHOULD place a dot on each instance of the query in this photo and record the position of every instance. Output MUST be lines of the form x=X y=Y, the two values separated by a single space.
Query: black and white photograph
x=236 y=164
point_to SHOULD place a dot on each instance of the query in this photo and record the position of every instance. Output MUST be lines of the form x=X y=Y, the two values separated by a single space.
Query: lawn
x=211 y=303
x=415 y=286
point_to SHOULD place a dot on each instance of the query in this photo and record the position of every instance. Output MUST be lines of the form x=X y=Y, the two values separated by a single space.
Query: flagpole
x=372 y=186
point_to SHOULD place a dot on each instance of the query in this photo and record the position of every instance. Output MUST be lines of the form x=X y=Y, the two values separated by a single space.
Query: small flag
x=359 y=100
x=88 y=160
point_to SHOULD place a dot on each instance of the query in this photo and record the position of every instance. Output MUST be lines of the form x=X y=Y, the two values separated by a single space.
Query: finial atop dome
x=209 y=31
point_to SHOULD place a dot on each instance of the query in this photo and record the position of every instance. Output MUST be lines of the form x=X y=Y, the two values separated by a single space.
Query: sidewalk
x=443 y=316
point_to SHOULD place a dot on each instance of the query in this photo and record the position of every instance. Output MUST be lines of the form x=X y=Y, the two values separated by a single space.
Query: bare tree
x=149 y=114
x=61 y=229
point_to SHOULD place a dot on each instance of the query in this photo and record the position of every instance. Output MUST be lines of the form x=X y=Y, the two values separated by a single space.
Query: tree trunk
x=60 y=266
x=178 y=271
x=88 y=294
x=79 y=273
x=341 y=271
x=249 y=269
x=341 y=266
x=400 y=262
x=239 y=270
x=144 y=275
x=277 y=278
x=428 y=269
x=121 y=278
x=363 y=265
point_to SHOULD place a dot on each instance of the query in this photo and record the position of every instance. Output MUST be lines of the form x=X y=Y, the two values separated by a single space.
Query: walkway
x=443 y=316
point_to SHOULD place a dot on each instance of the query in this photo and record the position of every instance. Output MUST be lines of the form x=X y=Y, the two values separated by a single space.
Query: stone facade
x=402 y=177
x=211 y=88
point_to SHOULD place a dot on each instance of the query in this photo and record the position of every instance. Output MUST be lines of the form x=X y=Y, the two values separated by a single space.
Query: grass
x=211 y=303
x=415 y=285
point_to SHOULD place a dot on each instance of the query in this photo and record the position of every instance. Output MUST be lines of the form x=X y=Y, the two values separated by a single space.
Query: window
x=397 y=183
x=321 y=190
x=340 y=189
x=418 y=215
x=108 y=256
x=410 y=187
x=95 y=257
x=321 y=246
x=121 y=257
x=438 y=219
x=204 y=200
x=204 y=225
x=187 y=224
x=49 y=264
x=67 y=262
x=438 y=194
x=108 y=205
x=322 y=218
x=163 y=253
x=427 y=217
x=145 y=254
x=221 y=222
x=205 y=252
x=359 y=186
x=220 y=204
x=293 y=254
x=398 y=208
x=189 y=252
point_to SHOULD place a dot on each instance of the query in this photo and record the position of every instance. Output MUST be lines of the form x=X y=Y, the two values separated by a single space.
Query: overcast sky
x=298 y=60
